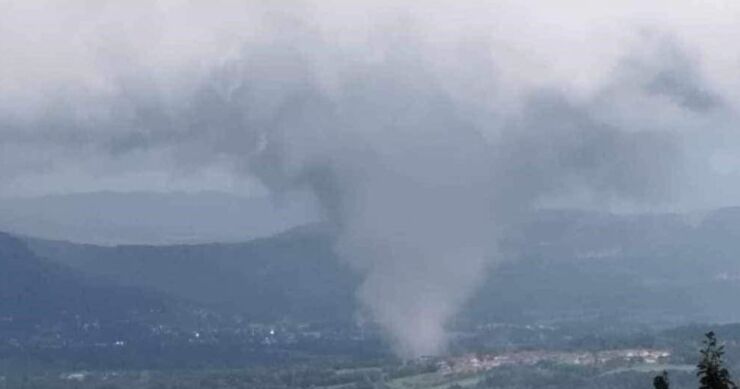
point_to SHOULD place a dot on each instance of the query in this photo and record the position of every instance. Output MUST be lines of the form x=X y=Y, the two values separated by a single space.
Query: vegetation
x=661 y=381
x=711 y=370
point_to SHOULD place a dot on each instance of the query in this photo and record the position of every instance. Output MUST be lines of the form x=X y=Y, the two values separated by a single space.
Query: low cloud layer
x=423 y=130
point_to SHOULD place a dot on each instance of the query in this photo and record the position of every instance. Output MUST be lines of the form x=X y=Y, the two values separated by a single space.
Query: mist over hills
x=108 y=218
x=652 y=268
x=560 y=266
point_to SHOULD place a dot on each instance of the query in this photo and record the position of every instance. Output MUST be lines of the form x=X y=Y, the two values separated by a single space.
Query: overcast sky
x=424 y=130
x=101 y=95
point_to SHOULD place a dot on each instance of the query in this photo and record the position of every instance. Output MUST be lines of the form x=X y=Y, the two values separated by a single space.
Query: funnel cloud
x=424 y=131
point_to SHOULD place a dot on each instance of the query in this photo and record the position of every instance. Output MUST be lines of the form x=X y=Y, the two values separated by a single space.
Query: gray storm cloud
x=424 y=132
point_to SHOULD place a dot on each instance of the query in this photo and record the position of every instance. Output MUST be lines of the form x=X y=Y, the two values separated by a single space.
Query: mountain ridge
x=559 y=265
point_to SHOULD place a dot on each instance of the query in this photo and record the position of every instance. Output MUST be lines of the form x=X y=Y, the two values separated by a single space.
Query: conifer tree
x=711 y=370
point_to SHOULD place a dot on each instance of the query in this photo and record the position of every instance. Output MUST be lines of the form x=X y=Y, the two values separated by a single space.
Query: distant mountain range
x=36 y=293
x=294 y=275
x=560 y=266
x=153 y=218
x=654 y=268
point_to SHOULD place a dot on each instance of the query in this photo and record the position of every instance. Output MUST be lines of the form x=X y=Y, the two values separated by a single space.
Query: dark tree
x=661 y=381
x=712 y=373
